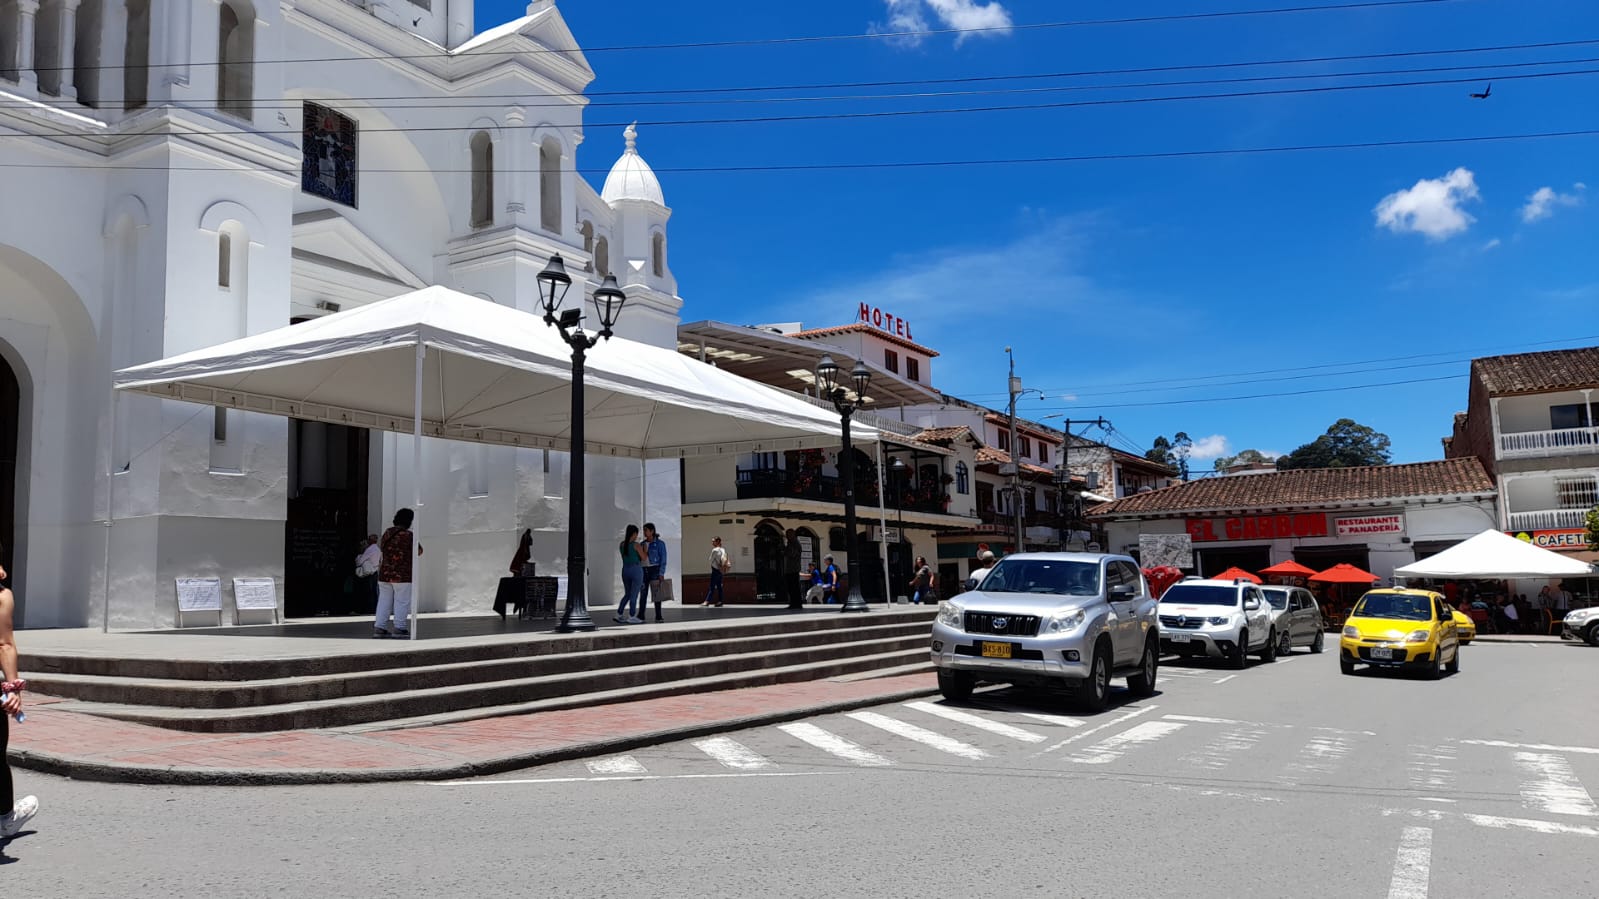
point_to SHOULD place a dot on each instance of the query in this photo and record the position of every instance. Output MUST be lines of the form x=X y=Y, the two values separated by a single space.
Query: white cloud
x=1543 y=201
x=970 y=17
x=1213 y=447
x=1491 y=244
x=1431 y=207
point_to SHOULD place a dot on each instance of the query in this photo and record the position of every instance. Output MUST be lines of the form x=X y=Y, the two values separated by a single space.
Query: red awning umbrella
x=1289 y=568
x=1234 y=573
x=1344 y=573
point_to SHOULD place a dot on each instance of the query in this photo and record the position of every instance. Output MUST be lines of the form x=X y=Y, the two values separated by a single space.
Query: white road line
x=1198 y=719
x=1226 y=679
x=1318 y=759
x=1412 y=865
x=1552 y=786
x=977 y=721
x=832 y=743
x=1094 y=730
x=585 y=780
x=1112 y=748
x=1537 y=747
x=920 y=735
x=616 y=764
x=732 y=753
x=1544 y=827
x=1432 y=767
x=1061 y=720
x=1220 y=752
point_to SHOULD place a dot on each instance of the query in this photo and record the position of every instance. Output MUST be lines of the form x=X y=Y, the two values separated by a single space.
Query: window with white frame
x=1578 y=492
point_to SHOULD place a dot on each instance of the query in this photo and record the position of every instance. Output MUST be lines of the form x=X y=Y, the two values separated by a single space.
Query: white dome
x=631 y=177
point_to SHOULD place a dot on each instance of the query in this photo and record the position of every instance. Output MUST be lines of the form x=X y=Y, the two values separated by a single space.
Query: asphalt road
x=1286 y=779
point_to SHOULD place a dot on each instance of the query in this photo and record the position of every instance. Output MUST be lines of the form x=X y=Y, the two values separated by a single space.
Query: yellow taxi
x=1401 y=629
x=1464 y=627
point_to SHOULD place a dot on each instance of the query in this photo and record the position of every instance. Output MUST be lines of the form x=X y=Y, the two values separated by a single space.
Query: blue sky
x=1124 y=283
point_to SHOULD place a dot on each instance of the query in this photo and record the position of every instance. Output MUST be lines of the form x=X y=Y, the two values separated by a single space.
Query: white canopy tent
x=439 y=363
x=1495 y=554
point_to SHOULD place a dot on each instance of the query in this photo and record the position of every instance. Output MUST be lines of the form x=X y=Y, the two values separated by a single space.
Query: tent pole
x=416 y=487
x=882 y=527
x=110 y=510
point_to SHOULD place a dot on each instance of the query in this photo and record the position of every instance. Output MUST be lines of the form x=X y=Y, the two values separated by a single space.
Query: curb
x=105 y=772
x=1524 y=639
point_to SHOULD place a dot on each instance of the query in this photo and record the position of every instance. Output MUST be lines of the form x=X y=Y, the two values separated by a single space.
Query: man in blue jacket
x=654 y=567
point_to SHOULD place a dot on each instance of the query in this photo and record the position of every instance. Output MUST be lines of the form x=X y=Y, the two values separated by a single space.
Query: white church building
x=178 y=173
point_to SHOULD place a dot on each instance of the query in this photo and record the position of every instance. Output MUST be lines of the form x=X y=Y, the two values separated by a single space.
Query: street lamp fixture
x=608 y=301
x=828 y=385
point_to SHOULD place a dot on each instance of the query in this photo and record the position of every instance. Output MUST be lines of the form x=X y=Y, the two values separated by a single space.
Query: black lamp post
x=608 y=302
x=899 y=468
x=827 y=384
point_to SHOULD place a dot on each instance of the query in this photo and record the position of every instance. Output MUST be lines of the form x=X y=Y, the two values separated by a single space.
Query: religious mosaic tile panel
x=328 y=168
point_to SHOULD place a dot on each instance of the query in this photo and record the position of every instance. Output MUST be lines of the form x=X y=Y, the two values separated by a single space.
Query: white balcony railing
x=1548 y=443
x=1548 y=519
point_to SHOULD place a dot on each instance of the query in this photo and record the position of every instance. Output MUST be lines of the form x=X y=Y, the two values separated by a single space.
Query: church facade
x=179 y=173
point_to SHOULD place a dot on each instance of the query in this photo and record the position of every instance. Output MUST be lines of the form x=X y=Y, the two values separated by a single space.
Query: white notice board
x=199 y=594
x=255 y=593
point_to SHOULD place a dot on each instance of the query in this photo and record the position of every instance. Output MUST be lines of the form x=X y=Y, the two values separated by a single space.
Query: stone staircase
x=418 y=685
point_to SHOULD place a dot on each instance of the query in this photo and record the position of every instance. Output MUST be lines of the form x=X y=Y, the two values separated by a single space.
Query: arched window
x=136 y=56
x=587 y=231
x=963 y=479
x=236 y=58
x=482 y=180
x=550 y=185
x=602 y=256
x=658 y=254
x=86 y=53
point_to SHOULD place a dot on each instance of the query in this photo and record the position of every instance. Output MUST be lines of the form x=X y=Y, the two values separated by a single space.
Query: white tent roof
x=1495 y=554
x=491 y=374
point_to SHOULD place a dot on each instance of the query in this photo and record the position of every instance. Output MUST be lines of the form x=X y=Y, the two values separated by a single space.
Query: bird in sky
x=1485 y=93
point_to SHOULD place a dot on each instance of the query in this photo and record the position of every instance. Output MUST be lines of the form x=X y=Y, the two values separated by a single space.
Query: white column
x=515 y=166
x=68 y=43
x=27 y=78
x=113 y=49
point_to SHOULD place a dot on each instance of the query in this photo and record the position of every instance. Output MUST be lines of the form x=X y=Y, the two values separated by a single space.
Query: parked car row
x=1075 y=621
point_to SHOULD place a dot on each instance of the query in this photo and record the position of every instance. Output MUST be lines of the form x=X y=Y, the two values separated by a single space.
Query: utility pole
x=1015 y=386
x=1063 y=477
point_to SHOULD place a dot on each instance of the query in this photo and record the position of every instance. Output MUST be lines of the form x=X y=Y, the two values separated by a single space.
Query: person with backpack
x=720 y=566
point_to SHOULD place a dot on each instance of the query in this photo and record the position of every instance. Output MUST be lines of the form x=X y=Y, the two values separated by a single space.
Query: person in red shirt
x=394 y=578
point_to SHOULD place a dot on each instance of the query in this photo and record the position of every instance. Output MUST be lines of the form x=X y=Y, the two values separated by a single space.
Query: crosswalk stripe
x=832 y=743
x=616 y=764
x=1412 y=864
x=732 y=753
x=920 y=735
x=1061 y=720
x=1551 y=785
x=977 y=721
x=1112 y=748
x=1318 y=759
x=1221 y=751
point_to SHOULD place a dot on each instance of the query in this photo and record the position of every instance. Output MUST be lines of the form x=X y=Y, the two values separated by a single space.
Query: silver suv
x=1061 y=620
x=1220 y=619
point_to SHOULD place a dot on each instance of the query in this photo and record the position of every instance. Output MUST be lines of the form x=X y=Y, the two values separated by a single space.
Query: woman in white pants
x=394 y=578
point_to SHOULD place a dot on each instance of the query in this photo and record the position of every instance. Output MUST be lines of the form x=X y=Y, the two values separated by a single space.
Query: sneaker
x=25 y=809
x=619 y=619
x=380 y=634
x=635 y=620
x=400 y=633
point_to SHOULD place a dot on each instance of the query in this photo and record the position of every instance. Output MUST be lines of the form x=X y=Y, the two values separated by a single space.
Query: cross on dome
x=631 y=178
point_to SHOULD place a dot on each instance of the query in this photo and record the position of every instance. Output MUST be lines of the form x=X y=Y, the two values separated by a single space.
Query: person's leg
x=402 y=607
x=385 y=606
x=720 y=580
x=716 y=584
x=8 y=798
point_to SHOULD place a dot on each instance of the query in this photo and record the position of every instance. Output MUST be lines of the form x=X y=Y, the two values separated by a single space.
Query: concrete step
x=257 y=693
x=576 y=688
x=924 y=666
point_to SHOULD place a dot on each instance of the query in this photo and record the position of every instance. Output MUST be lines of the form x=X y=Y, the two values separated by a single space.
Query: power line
x=1261 y=396
x=855 y=166
x=900 y=113
x=826 y=38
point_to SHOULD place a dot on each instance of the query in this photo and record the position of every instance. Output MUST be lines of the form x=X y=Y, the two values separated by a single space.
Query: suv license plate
x=1381 y=652
x=1179 y=638
x=996 y=650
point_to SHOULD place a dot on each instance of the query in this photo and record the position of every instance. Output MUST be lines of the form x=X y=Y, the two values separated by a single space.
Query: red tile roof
x=1538 y=372
x=988 y=455
x=1306 y=487
x=812 y=333
x=945 y=435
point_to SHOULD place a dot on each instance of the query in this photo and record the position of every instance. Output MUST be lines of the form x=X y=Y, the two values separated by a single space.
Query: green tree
x=1244 y=457
x=1347 y=444
x=1172 y=453
x=1593 y=529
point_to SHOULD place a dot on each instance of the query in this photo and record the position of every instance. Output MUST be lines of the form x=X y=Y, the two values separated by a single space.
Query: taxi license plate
x=1179 y=638
x=1381 y=652
x=996 y=650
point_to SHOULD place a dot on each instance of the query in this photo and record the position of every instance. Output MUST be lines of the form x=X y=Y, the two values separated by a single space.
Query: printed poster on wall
x=1155 y=550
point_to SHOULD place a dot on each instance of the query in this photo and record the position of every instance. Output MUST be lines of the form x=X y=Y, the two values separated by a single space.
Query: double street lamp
x=828 y=386
x=608 y=301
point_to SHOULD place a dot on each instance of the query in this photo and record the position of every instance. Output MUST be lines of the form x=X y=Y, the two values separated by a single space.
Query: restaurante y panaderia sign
x=1370 y=524
x=1257 y=527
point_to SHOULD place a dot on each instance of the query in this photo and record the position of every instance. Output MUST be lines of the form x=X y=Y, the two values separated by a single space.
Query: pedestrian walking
x=985 y=563
x=922 y=582
x=829 y=580
x=720 y=566
x=17 y=812
x=634 y=554
x=793 y=552
x=366 y=573
x=394 y=578
x=814 y=592
x=654 y=569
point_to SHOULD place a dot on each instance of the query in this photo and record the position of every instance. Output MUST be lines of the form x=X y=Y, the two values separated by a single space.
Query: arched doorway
x=10 y=424
x=768 y=561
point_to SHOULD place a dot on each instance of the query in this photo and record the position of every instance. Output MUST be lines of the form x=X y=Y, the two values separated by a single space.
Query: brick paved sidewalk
x=87 y=747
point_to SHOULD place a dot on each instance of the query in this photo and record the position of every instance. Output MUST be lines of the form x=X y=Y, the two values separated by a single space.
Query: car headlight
x=1418 y=636
x=1219 y=620
x=1069 y=620
x=951 y=615
x=1351 y=632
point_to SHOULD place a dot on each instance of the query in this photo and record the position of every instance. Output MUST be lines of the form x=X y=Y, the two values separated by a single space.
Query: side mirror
x=969 y=585
x=1252 y=605
x=1122 y=593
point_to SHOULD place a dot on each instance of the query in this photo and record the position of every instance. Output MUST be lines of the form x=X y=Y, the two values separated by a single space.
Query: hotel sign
x=1561 y=539
x=1370 y=524
x=1257 y=527
x=885 y=321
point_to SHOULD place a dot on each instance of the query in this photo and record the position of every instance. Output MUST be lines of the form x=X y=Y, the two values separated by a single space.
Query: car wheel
x=1454 y=661
x=1345 y=665
x=1143 y=683
x=1268 y=650
x=1095 y=691
x=1316 y=644
x=1238 y=658
x=1435 y=668
x=1285 y=644
x=1593 y=634
x=956 y=685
